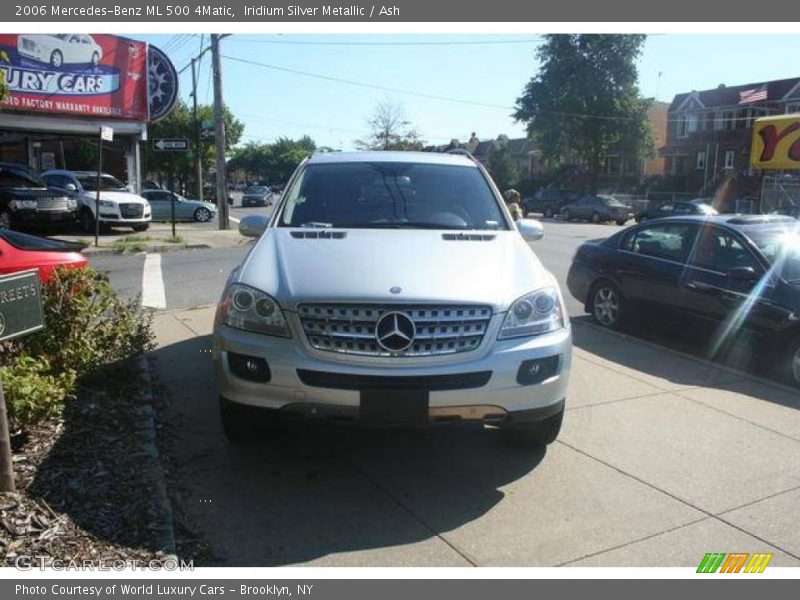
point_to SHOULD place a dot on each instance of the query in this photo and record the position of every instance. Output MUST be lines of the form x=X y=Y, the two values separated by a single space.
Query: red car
x=20 y=251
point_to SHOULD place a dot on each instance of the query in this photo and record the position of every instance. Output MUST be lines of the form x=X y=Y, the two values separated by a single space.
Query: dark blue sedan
x=739 y=272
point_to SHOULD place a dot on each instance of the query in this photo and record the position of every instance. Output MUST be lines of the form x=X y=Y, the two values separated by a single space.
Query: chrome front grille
x=131 y=210
x=350 y=328
x=52 y=203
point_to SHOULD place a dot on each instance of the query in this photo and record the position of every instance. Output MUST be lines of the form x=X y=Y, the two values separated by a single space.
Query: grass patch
x=175 y=239
x=132 y=243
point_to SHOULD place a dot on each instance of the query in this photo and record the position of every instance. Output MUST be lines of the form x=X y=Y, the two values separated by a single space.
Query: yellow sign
x=776 y=143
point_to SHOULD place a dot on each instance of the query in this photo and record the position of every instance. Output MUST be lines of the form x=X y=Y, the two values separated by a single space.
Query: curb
x=686 y=355
x=163 y=526
x=105 y=250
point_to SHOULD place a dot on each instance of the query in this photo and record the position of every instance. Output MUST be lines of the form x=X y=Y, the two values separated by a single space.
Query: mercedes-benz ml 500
x=394 y=289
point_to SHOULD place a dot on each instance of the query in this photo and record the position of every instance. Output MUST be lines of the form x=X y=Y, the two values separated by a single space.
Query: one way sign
x=171 y=145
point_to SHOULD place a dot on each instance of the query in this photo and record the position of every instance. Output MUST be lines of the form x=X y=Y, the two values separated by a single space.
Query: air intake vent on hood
x=319 y=234
x=468 y=237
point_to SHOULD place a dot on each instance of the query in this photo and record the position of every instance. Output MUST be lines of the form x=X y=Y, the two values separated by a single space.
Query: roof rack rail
x=461 y=151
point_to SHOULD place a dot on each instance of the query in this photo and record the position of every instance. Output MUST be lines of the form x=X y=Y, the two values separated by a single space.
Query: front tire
x=793 y=363
x=537 y=433
x=56 y=58
x=142 y=227
x=566 y=215
x=607 y=306
x=5 y=220
x=621 y=222
x=86 y=221
x=548 y=212
x=595 y=217
x=95 y=59
x=202 y=215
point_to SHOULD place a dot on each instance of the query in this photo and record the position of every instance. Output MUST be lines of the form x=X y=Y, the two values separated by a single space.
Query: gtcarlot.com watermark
x=42 y=563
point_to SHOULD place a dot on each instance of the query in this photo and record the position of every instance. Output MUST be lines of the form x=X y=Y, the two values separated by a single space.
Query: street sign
x=20 y=304
x=171 y=145
x=107 y=134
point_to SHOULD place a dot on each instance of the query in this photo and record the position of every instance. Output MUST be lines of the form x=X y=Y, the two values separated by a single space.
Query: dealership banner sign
x=776 y=143
x=96 y=75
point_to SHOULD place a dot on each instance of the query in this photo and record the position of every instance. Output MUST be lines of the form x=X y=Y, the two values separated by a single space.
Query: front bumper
x=42 y=217
x=481 y=385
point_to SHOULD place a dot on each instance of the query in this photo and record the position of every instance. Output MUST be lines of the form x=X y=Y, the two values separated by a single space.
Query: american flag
x=755 y=95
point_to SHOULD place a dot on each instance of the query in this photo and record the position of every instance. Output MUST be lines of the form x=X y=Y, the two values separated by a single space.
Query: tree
x=585 y=100
x=390 y=130
x=501 y=165
x=179 y=166
x=275 y=162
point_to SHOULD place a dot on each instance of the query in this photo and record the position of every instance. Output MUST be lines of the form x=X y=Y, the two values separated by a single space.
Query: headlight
x=107 y=204
x=249 y=309
x=534 y=314
x=21 y=204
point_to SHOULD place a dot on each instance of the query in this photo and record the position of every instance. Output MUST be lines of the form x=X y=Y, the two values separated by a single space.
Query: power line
x=365 y=85
x=397 y=43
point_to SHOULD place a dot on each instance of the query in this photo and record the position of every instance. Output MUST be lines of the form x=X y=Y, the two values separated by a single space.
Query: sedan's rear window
x=392 y=195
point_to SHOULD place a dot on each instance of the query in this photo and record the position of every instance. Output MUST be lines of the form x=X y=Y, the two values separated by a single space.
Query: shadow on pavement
x=627 y=349
x=314 y=491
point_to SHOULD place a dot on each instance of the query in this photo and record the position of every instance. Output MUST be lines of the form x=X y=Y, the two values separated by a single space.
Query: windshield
x=781 y=247
x=23 y=241
x=12 y=177
x=256 y=189
x=392 y=195
x=107 y=183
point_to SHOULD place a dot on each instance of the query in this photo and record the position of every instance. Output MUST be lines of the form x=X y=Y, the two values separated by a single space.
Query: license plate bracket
x=388 y=406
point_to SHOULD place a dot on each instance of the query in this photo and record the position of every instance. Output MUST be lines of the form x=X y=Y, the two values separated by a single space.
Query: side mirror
x=530 y=229
x=71 y=188
x=253 y=225
x=742 y=274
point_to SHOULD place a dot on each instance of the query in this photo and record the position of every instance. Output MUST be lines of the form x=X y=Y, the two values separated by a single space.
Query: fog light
x=538 y=370
x=251 y=368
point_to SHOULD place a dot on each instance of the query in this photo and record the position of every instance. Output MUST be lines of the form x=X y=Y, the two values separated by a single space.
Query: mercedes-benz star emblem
x=395 y=331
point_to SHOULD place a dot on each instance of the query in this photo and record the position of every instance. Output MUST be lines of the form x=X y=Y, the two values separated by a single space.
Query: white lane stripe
x=153 y=293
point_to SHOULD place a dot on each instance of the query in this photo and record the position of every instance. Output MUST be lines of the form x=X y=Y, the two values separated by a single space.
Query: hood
x=199 y=204
x=118 y=197
x=366 y=263
x=32 y=193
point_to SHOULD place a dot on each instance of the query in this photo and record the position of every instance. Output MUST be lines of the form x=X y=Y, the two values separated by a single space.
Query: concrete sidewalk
x=155 y=239
x=661 y=460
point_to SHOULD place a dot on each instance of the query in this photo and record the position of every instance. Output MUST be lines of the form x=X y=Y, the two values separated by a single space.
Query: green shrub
x=87 y=327
x=33 y=393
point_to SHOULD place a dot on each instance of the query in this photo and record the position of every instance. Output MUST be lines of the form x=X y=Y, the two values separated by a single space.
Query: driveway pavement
x=662 y=458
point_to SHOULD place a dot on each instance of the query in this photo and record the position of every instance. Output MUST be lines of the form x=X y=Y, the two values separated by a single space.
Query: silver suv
x=392 y=288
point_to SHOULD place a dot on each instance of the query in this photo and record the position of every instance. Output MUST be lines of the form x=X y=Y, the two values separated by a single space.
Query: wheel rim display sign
x=97 y=75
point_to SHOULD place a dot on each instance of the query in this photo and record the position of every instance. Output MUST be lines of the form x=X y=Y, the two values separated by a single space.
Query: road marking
x=234 y=219
x=153 y=293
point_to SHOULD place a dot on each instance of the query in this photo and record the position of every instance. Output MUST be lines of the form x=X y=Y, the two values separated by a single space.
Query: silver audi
x=392 y=289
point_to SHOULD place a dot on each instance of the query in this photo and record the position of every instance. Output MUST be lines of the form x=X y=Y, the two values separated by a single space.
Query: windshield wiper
x=317 y=225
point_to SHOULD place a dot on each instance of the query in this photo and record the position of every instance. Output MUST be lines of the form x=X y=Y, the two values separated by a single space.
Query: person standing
x=514 y=203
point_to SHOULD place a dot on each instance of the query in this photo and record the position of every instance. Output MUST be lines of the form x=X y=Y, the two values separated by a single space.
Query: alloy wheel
x=606 y=306
x=5 y=220
x=202 y=215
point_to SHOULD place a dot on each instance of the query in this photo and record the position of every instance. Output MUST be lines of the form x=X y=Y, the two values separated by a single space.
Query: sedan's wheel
x=567 y=215
x=621 y=222
x=95 y=59
x=548 y=212
x=5 y=220
x=56 y=58
x=794 y=363
x=595 y=217
x=202 y=215
x=607 y=305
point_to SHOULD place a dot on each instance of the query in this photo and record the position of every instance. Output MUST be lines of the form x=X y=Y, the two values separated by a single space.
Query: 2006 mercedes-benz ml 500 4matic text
x=394 y=289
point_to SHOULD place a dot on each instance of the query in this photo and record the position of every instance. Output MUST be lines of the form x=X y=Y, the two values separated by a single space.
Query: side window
x=668 y=241
x=718 y=250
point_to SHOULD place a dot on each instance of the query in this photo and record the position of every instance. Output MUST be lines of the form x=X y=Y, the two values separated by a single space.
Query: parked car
x=25 y=199
x=597 y=209
x=393 y=288
x=20 y=252
x=118 y=205
x=677 y=209
x=60 y=49
x=149 y=184
x=185 y=208
x=735 y=271
x=549 y=201
x=256 y=195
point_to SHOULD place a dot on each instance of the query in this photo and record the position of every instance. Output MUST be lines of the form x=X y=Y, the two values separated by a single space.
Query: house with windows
x=709 y=132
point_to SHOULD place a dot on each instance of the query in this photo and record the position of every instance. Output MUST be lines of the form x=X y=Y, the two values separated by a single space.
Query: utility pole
x=198 y=163
x=219 y=131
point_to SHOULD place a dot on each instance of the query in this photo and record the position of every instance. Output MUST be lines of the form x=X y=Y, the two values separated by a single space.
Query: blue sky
x=490 y=69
